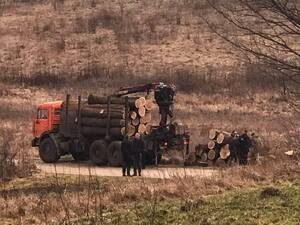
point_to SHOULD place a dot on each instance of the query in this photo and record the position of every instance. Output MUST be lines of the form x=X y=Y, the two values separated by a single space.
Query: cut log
x=146 y=118
x=101 y=110
x=95 y=113
x=149 y=104
x=204 y=157
x=123 y=129
x=130 y=130
x=211 y=154
x=133 y=115
x=148 y=128
x=142 y=111
x=104 y=106
x=94 y=122
x=225 y=152
x=100 y=132
x=211 y=144
x=137 y=103
x=92 y=99
x=142 y=128
x=135 y=122
x=223 y=137
x=142 y=101
x=213 y=133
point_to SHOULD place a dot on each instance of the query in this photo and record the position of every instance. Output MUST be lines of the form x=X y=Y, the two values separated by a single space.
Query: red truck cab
x=46 y=121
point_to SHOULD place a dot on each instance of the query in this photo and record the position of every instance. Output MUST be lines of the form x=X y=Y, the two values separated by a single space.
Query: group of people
x=132 y=154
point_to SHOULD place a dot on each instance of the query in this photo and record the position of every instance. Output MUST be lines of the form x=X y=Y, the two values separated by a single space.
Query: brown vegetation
x=14 y=162
x=56 y=198
x=96 y=46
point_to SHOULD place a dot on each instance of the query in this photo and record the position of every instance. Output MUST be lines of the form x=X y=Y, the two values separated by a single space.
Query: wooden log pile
x=94 y=120
x=220 y=147
x=94 y=116
x=140 y=116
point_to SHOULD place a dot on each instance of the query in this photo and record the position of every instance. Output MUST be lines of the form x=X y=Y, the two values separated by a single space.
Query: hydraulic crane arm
x=142 y=88
x=163 y=93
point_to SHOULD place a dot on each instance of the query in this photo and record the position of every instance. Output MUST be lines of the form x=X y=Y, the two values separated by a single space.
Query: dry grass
x=71 y=39
x=14 y=161
x=79 y=42
x=56 y=198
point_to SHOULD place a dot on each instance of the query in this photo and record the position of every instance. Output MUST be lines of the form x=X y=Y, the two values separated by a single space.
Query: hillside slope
x=125 y=37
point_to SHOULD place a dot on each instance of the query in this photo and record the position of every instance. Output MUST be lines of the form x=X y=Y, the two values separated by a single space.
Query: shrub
x=11 y=164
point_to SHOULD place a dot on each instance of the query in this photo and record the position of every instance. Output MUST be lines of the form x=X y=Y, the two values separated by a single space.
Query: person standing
x=138 y=149
x=126 y=149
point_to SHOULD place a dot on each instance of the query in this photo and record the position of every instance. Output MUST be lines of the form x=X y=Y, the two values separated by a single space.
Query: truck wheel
x=114 y=153
x=80 y=150
x=98 y=153
x=48 y=151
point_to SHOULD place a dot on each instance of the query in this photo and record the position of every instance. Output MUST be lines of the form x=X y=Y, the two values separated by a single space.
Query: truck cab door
x=41 y=123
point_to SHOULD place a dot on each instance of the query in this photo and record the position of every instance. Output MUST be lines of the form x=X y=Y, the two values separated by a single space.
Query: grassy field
x=277 y=204
x=91 y=200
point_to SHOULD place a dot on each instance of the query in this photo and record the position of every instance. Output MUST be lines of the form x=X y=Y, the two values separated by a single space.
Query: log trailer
x=94 y=128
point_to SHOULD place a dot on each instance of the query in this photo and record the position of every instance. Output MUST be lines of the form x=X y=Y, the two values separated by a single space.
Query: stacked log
x=223 y=148
x=140 y=115
x=101 y=116
x=94 y=120
x=97 y=120
x=225 y=152
x=218 y=145
x=217 y=149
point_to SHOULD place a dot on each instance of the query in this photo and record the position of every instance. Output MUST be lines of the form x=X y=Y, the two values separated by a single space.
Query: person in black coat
x=138 y=147
x=126 y=149
x=244 y=145
x=239 y=148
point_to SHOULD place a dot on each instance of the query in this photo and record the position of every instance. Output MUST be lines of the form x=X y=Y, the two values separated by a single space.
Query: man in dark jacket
x=138 y=149
x=126 y=148
x=239 y=148
x=244 y=146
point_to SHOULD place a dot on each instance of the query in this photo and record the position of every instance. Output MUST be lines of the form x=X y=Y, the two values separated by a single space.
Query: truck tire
x=80 y=150
x=98 y=153
x=48 y=151
x=114 y=153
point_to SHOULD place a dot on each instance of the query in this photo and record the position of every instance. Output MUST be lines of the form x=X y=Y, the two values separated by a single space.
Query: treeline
x=208 y=80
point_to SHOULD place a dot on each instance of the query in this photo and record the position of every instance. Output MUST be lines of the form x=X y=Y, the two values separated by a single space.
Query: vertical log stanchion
x=78 y=115
x=67 y=108
x=126 y=115
x=107 y=137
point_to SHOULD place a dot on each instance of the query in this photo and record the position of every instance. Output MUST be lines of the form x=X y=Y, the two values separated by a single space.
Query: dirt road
x=86 y=168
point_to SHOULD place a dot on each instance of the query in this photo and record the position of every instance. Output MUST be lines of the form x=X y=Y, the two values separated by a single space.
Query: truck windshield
x=42 y=114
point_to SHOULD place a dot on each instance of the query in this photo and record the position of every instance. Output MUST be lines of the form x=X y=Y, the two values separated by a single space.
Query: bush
x=11 y=164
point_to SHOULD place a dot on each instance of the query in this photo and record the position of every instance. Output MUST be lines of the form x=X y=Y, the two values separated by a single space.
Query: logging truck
x=94 y=128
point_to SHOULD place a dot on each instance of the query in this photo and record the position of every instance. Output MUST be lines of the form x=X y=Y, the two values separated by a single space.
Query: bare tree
x=266 y=31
